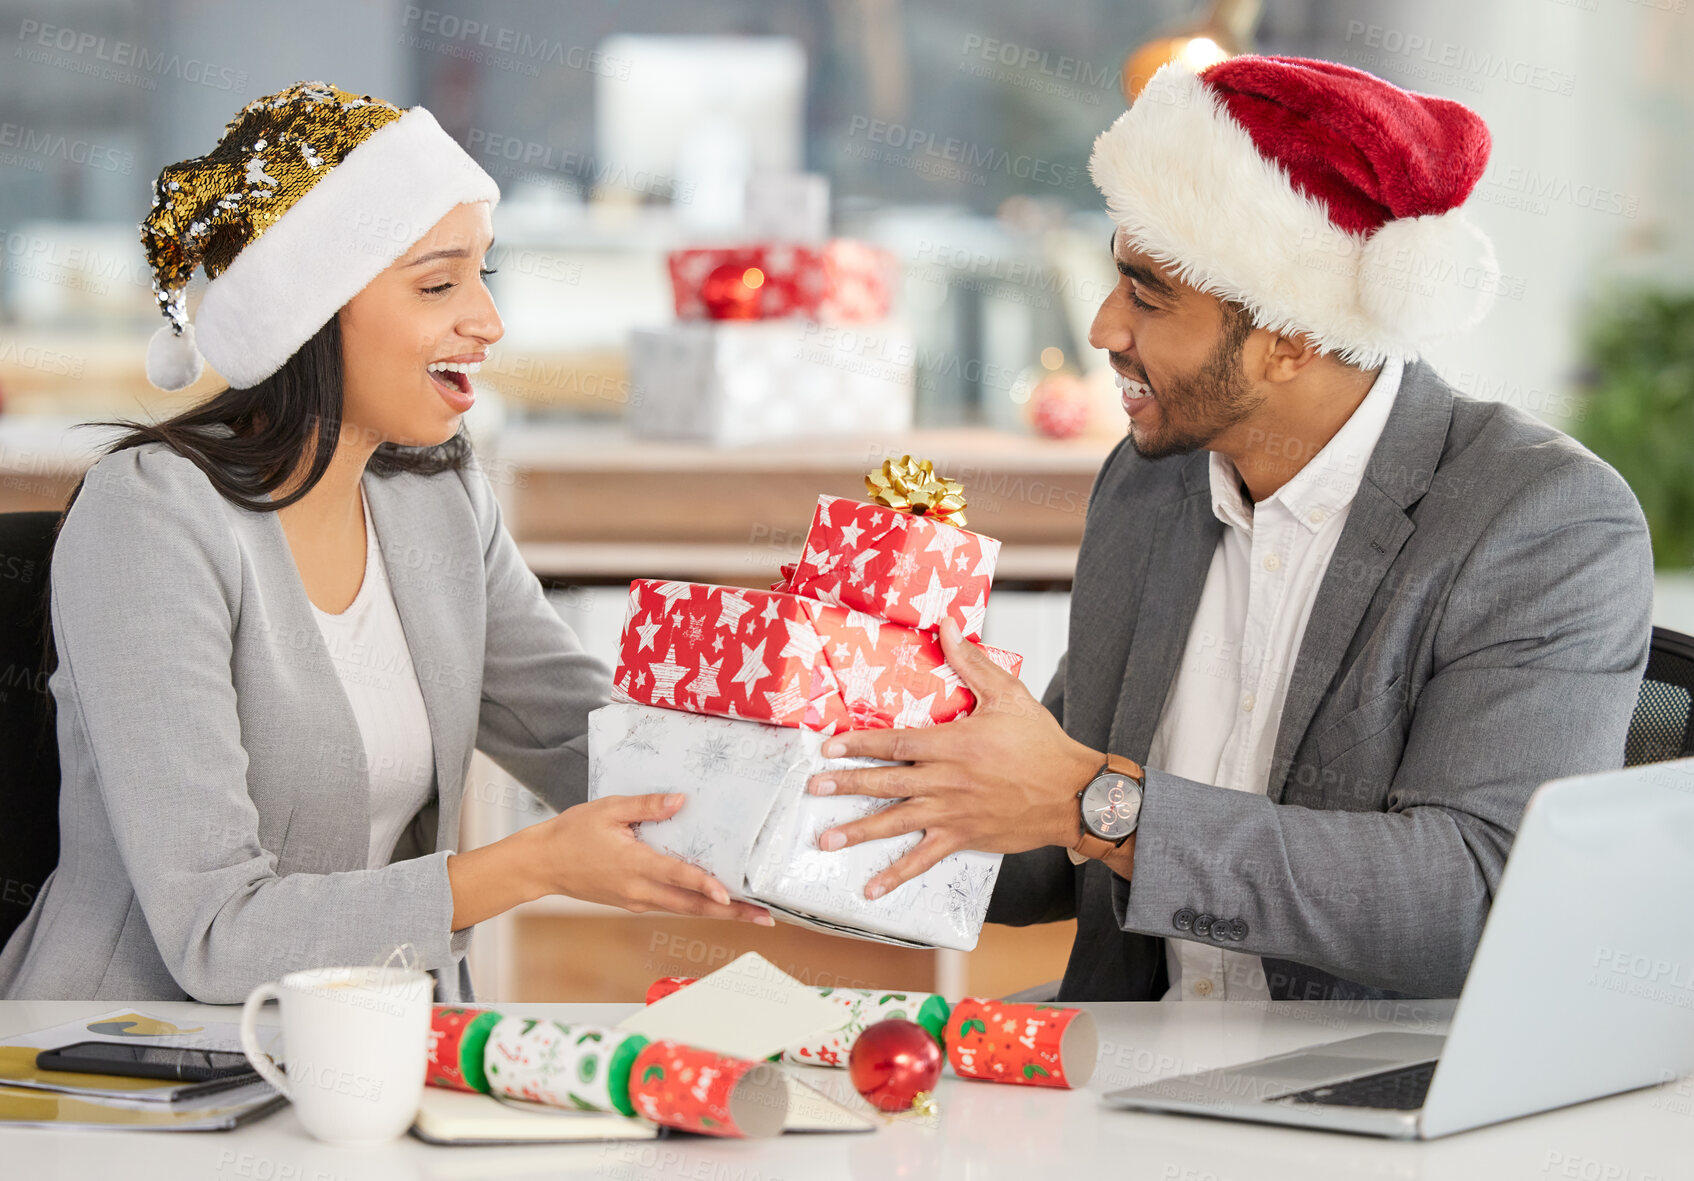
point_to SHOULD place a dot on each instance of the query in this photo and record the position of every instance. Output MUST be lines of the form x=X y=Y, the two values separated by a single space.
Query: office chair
x=1663 y=724
x=29 y=748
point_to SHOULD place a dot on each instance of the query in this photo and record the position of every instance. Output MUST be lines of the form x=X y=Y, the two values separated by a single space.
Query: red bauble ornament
x=1059 y=406
x=895 y=1064
x=731 y=291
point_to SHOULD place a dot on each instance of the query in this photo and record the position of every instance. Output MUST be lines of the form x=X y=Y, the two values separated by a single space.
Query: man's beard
x=1209 y=401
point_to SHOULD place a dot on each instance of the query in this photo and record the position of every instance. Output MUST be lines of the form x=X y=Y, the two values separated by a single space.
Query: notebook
x=459 y=1117
x=22 y=1107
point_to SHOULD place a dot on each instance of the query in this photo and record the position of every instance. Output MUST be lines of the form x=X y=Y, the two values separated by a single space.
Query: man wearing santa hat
x=1332 y=623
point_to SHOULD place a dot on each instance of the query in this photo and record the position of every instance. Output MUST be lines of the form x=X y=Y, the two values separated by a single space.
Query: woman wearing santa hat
x=285 y=617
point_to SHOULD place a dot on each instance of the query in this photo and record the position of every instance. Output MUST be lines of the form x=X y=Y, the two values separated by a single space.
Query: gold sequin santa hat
x=310 y=194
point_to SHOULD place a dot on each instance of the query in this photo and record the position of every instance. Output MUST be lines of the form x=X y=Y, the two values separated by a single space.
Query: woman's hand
x=590 y=852
x=597 y=858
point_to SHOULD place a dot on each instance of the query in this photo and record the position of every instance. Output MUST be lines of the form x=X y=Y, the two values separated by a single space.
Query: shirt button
x=1317 y=516
x=1273 y=563
x=1248 y=702
x=1203 y=986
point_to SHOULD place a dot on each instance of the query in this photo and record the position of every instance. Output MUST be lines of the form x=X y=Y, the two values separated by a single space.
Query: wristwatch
x=1109 y=805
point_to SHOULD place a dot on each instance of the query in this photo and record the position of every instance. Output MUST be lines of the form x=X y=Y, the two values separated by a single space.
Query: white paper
x=748 y=1008
x=134 y=1025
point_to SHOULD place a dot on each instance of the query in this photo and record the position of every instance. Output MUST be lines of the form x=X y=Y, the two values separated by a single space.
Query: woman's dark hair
x=273 y=423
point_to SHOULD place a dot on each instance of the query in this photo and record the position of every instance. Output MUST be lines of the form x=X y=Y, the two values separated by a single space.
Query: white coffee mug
x=355 y=1042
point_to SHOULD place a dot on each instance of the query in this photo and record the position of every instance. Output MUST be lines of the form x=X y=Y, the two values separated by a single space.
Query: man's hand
x=1002 y=780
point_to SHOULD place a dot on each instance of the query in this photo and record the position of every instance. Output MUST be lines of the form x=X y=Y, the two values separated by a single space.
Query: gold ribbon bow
x=913 y=487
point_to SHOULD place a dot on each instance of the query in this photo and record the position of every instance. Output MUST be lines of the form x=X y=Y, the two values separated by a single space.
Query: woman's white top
x=368 y=647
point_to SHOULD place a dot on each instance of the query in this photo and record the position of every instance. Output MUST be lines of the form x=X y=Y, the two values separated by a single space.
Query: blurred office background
x=956 y=138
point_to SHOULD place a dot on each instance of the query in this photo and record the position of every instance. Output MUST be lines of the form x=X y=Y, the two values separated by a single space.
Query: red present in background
x=911 y=570
x=840 y=281
x=786 y=660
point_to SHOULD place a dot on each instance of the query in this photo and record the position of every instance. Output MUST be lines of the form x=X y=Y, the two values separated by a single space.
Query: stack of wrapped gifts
x=774 y=341
x=727 y=695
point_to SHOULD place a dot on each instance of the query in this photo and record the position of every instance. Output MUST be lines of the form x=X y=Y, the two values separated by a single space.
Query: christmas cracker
x=578 y=1065
x=594 y=1068
x=701 y=1091
x=457 y=1037
x=1031 y=1045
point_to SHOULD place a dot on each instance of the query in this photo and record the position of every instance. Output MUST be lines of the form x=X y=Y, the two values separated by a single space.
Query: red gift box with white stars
x=784 y=659
x=910 y=570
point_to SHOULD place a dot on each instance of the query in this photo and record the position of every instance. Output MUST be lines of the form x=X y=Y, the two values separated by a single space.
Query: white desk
x=984 y=1130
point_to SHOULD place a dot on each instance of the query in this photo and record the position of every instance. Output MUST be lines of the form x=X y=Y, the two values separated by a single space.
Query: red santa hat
x=1324 y=199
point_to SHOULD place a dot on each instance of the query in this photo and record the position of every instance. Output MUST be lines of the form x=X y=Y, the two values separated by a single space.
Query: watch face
x=1111 y=806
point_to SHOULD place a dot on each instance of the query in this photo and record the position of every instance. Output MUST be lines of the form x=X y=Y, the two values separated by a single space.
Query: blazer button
x=1183 y=920
x=1221 y=929
x=1238 y=929
x=1203 y=923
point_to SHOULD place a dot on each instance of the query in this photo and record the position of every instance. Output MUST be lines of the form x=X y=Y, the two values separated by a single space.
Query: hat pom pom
x=173 y=362
x=1424 y=277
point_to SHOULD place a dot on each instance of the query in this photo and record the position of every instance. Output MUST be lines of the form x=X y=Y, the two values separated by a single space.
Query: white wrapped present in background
x=730 y=382
x=749 y=823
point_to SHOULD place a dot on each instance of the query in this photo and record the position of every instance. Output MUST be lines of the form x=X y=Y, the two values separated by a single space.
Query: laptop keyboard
x=1400 y=1089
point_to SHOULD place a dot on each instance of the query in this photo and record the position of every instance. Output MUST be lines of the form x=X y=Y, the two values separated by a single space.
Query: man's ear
x=1288 y=355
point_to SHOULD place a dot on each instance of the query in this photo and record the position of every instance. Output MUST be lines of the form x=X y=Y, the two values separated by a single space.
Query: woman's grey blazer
x=214 y=810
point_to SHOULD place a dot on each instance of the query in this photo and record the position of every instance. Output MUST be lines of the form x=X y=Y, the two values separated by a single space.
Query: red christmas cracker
x=698 y=1091
x=909 y=569
x=772 y=657
x=1033 y=1045
x=457 y=1037
x=665 y=985
x=842 y=281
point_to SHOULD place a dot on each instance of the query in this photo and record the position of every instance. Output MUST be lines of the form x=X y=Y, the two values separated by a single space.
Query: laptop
x=1582 y=985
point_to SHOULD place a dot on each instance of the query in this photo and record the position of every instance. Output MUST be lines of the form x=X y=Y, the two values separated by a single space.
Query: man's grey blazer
x=1483 y=626
x=214 y=811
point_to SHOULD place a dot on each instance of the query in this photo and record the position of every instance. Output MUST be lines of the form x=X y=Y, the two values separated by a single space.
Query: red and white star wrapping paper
x=779 y=658
x=840 y=281
x=910 y=570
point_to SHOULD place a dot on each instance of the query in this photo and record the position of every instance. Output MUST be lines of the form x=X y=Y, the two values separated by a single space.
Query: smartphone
x=137 y=1061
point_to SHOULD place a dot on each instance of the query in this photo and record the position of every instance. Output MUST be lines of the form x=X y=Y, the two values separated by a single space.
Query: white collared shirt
x=1220 y=719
